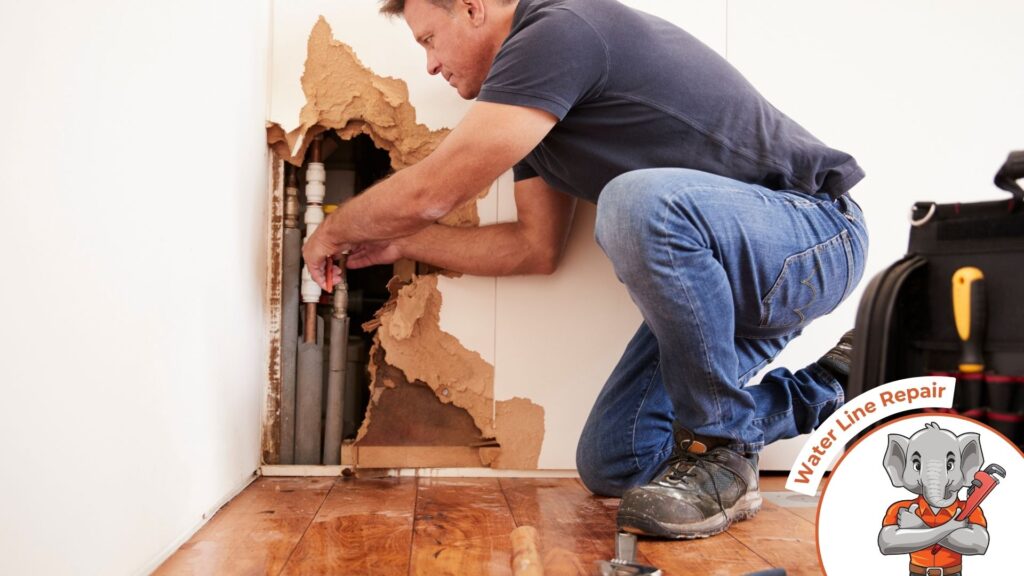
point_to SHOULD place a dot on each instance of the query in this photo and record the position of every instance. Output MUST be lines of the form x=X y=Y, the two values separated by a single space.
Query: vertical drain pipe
x=309 y=381
x=337 y=359
x=291 y=269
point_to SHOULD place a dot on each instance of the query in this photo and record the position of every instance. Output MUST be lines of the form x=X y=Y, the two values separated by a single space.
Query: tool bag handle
x=1012 y=170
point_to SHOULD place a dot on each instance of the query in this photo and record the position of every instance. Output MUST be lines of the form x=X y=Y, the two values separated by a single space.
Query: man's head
x=461 y=37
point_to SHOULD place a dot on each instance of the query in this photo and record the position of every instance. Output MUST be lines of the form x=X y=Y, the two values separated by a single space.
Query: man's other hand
x=373 y=254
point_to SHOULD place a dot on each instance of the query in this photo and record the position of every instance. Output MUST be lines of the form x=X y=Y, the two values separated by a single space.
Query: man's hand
x=908 y=518
x=317 y=251
x=374 y=253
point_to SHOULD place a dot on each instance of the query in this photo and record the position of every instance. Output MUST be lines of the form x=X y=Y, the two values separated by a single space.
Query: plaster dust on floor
x=345 y=96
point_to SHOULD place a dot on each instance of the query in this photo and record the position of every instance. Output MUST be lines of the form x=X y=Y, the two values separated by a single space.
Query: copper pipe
x=310 y=335
x=314 y=149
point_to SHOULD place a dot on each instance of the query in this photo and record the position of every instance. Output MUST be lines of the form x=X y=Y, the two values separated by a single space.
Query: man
x=729 y=224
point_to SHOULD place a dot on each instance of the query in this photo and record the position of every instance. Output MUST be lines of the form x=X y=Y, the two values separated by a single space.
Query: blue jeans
x=725 y=274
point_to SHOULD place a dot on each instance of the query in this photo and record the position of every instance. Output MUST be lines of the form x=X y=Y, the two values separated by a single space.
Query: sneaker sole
x=744 y=508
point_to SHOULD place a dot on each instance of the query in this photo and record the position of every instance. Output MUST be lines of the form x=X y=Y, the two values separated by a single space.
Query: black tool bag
x=907 y=323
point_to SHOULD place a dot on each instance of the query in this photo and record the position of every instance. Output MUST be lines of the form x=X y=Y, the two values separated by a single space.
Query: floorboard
x=784 y=539
x=439 y=526
x=462 y=527
x=255 y=532
x=363 y=527
x=575 y=529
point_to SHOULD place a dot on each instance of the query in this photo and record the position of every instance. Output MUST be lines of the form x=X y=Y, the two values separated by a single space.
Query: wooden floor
x=432 y=526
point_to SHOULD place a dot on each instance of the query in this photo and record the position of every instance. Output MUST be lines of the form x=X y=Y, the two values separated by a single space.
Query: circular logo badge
x=928 y=494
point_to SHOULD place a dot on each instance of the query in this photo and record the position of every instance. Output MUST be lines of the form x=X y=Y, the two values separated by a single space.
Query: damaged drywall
x=345 y=96
x=409 y=413
x=413 y=342
x=519 y=428
x=414 y=364
x=409 y=333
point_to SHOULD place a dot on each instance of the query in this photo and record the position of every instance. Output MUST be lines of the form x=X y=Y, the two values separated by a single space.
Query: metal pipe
x=290 y=273
x=353 y=387
x=336 y=364
x=309 y=400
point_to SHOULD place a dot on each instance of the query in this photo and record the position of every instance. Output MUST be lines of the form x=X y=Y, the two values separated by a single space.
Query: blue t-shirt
x=633 y=91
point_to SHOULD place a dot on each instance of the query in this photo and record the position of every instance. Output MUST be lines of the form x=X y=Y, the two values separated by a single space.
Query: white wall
x=134 y=350
x=923 y=93
x=926 y=94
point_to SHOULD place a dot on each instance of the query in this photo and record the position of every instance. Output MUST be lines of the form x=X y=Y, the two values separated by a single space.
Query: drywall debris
x=414 y=346
x=413 y=342
x=344 y=95
x=409 y=413
x=519 y=428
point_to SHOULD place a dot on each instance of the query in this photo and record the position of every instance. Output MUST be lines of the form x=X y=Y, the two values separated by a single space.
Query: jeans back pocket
x=811 y=284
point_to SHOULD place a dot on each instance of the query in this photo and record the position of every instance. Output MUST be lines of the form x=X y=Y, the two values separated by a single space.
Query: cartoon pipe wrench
x=984 y=482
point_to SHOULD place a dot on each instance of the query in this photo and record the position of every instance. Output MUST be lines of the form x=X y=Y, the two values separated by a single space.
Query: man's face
x=456 y=43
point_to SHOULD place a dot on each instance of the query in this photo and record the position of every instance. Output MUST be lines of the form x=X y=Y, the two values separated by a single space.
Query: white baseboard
x=286 y=470
x=300 y=470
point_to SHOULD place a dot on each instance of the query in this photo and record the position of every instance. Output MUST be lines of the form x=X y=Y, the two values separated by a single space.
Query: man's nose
x=433 y=65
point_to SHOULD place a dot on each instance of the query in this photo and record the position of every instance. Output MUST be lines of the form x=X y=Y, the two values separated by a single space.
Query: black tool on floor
x=624 y=563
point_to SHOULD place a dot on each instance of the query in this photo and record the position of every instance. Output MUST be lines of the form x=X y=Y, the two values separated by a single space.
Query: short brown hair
x=397 y=7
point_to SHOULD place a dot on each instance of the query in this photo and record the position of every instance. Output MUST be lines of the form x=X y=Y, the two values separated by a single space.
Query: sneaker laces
x=693 y=460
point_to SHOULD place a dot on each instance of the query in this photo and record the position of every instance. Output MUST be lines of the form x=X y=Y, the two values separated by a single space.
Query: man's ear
x=475 y=9
x=895 y=460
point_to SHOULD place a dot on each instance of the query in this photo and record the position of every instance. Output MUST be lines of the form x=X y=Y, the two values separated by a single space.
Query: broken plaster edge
x=270 y=406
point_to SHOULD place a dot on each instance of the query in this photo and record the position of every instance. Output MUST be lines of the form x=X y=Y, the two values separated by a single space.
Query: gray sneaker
x=702 y=491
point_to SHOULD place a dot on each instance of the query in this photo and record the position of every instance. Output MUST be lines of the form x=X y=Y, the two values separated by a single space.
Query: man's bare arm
x=531 y=245
x=488 y=141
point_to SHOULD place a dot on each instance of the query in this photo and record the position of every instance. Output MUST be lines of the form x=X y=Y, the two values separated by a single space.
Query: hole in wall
x=346 y=97
x=352 y=166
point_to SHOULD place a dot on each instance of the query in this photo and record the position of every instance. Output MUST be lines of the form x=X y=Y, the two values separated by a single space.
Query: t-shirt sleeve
x=552 y=61
x=523 y=171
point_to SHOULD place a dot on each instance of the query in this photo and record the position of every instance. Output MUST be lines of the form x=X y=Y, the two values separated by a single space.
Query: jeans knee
x=595 y=474
x=638 y=209
x=604 y=470
x=627 y=212
x=612 y=206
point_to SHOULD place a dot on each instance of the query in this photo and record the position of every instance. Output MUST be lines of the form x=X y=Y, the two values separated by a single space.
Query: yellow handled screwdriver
x=969 y=311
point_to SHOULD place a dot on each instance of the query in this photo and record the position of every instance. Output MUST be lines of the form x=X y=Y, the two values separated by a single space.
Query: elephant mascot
x=935 y=464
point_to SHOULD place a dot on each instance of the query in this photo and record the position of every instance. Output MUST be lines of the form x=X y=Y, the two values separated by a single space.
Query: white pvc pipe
x=316 y=175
